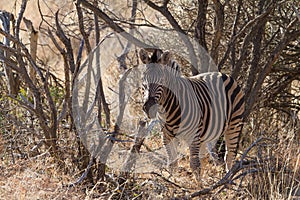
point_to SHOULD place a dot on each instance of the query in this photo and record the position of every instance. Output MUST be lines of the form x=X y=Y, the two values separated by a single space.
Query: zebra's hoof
x=197 y=175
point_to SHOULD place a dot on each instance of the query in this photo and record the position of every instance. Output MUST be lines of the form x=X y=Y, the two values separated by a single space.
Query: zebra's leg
x=234 y=129
x=195 y=148
x=211 y=150
x=231 y=136
x=170 y=145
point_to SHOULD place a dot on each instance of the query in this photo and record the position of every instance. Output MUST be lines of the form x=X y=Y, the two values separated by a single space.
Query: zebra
x=197 y=109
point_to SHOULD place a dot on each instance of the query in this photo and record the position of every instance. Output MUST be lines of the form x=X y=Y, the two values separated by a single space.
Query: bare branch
x=232 y=48
x=19 y=19
x=12 y=82
x=114 y=26
x=230 y=175
x=84 y=175
x=165 y=4
x=96 y=24
x=201 y=23
x=61 y=35
x=122 y=97
x=218 y=26
x=233 y=38
x=81 y=28
x=259 y=31
x=33 y=38
x=102 y=100
x=25 y=50
x=287 y=37
x=122 y=58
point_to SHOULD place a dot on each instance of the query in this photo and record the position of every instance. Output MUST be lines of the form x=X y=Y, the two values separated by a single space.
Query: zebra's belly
x=192 y=126
x=189 y=134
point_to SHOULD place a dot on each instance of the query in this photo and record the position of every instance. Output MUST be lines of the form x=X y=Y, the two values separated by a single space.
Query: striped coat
x=197 y=110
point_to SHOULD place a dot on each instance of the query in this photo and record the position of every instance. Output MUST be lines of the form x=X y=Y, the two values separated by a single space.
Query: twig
x=274 y=55
x=255 y=143
x=218 y=28
x=242 y=31
x=12 y=85
x=96 y=24
x=25 y=50
x=169 y=181
x=122 y=100
x=201 y=22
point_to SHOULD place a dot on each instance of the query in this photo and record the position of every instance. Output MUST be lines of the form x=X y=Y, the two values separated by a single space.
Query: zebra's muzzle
x=151 y=107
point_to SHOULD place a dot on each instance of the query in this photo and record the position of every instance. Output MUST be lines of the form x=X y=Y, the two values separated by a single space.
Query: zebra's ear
x=165 y=58
x=144 y=56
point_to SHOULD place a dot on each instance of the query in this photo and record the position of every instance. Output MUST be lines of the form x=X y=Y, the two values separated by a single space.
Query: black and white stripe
x=197 y=109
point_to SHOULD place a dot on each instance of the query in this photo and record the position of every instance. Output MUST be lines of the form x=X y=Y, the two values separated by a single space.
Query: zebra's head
x=155 y=79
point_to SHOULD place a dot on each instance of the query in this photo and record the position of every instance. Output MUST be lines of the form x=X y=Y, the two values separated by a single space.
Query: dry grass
x=36 y=179
x=277 y=175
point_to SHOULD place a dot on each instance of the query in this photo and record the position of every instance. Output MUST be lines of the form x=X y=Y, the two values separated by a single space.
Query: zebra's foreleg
x=195 y=159
x=169 y=143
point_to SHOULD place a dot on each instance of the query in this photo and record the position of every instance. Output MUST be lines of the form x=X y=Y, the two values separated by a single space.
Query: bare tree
x=257 y=42
x=17 y=62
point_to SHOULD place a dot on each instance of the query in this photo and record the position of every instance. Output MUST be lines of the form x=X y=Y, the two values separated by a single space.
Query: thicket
x=257 y=42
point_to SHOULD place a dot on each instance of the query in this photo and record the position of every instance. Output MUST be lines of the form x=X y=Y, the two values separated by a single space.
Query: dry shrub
x=275 y=170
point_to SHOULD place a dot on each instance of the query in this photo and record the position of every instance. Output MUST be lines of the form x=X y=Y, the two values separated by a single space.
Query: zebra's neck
x=169 y=107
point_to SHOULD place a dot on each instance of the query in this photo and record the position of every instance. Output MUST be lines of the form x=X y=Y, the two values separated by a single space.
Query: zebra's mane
x=163 y=74
x=175 y=66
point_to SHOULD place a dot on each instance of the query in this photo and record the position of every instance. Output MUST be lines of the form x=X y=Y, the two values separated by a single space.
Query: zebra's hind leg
x=231 y=136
